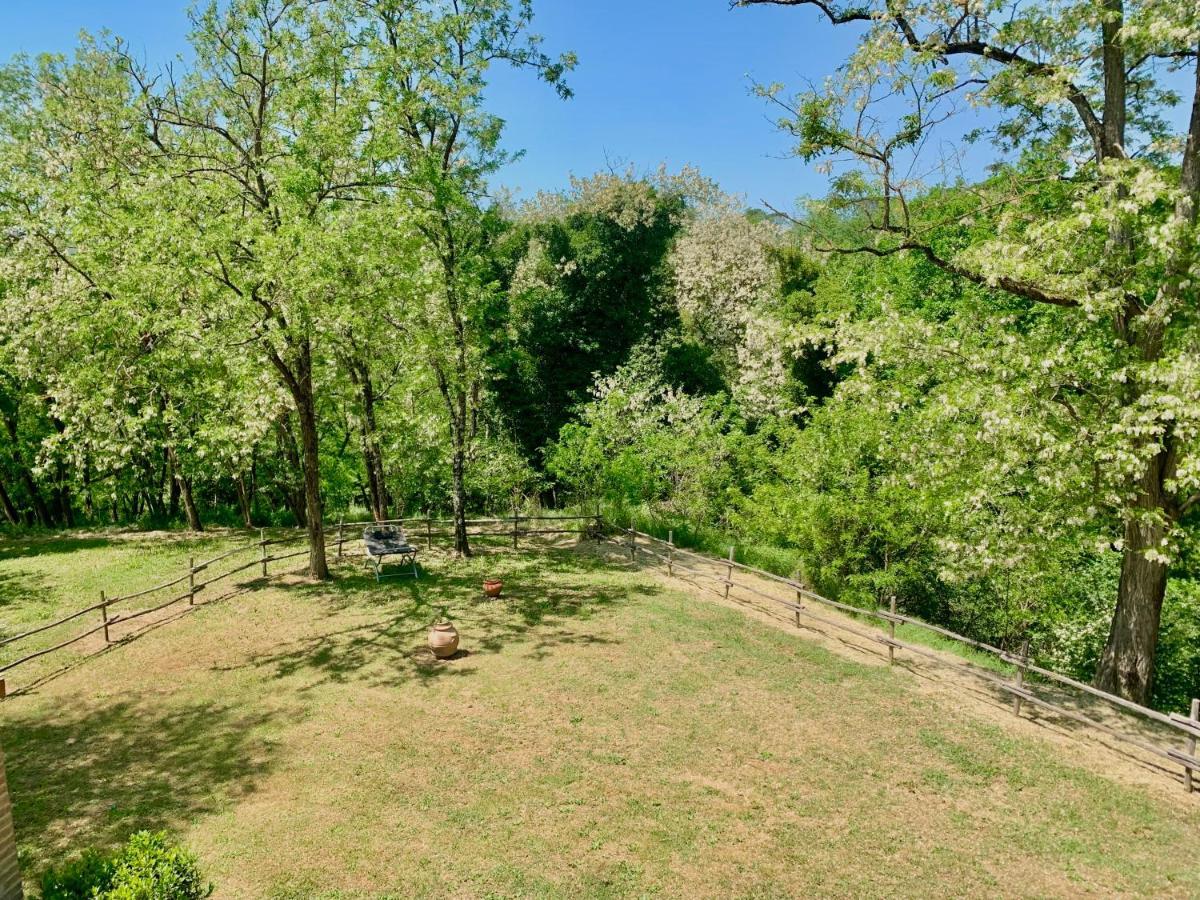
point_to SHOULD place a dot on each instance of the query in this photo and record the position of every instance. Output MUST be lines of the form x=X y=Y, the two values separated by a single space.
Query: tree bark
x=378 y=497
x=293 y=494
x=456 y=405
x=459 y=491
x=318 y=567
x=172 y=487
x=184 y=485
x=245 y=499
x=1126 y=667
x=10 y=511
x=298 y=378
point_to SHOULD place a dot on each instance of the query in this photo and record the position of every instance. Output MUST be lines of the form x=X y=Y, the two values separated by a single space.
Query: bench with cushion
x=383 y=541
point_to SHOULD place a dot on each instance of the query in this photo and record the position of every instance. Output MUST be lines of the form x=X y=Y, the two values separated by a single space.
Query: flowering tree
x=727 y=285
x=1091 y=213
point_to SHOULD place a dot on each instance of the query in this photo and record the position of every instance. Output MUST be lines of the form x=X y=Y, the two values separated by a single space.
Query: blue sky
x=658 y=81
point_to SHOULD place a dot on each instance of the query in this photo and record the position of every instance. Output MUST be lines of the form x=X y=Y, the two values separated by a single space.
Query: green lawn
x=600 y=735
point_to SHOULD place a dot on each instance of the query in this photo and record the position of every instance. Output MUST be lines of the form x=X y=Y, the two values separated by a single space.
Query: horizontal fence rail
x=679 y=559
x=513 y=528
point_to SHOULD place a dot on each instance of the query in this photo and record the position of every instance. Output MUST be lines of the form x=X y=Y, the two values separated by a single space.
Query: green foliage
x=586 y=283
x=148 y=867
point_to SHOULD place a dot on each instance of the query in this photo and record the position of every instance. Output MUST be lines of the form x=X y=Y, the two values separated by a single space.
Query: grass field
x=601 y=734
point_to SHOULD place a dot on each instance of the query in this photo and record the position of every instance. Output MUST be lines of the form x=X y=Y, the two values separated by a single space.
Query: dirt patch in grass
x=603 y=734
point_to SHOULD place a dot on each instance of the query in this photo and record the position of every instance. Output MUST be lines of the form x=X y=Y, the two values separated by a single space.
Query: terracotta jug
x=492 y=587
x=443 y=640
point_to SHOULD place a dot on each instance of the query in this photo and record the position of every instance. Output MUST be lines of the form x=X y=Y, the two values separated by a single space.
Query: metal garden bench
x=387 y=540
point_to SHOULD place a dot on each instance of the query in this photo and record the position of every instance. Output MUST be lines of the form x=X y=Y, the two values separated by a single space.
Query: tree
x=587 y=282
x=1091 y=213
x=430 y=61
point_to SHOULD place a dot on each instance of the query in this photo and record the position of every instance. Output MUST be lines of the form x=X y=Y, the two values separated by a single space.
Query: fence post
x=516 y=524
x=671 y=552
x=192 y=581
x=428 y=532
x=1020 y=680
x=262 y=546
x=728 y=573
x=632 y=543
x=892 y=632
x=1191 y=746
x=341 y=534
x=104 y=614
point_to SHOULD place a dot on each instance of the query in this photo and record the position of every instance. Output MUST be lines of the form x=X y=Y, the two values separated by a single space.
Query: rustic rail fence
x=512 y=528
x=676 y=560
x=111 y=613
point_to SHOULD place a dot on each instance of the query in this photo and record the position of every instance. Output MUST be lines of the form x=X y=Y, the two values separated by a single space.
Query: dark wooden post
x=104 y=615
x=1191 y=745
x=671 y=552
x=728 y=573
x=632 y=543
x=341 y=534
x=262 y=546
x=10 y=870
x=428 y=532
x=892 y=632
x=799 y=595
x=1020 y=680
x=516 y=524
x=192 y=581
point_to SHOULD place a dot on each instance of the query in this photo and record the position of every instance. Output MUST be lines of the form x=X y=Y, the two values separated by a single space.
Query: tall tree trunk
x=62 y=492
x=189 y=504
x=456 y=404
x=309 y=439
x=172 y=485
x=184 y=485
x=1126 y=667
x=298 y=379
x=245 y=499
x=10 y=511
x=1127 y=664
x=293 y=491
x=89 y=499
x=380 y=500
x=459 y=492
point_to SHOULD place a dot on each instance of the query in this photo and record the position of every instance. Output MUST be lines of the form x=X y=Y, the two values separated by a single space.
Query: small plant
x=148 y=867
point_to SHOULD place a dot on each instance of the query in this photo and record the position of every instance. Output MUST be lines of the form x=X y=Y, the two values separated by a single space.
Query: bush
x=148 y=867
x=78 y=878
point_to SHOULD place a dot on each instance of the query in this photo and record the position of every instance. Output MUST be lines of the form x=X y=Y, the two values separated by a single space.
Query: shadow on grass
x=376 y=631
x=94 y=773
x=45 y=545
x=21 y=589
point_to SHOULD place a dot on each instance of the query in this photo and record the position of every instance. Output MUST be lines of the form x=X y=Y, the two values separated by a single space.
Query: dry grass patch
x=602 y=734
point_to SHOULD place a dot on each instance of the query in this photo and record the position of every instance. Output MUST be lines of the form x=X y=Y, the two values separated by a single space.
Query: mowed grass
x=600 y=735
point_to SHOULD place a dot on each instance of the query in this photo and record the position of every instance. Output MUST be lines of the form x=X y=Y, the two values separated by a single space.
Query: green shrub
x=148 y=867
x=78 y=878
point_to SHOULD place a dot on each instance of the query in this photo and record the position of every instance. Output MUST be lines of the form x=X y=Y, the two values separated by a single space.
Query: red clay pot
x=492 y=587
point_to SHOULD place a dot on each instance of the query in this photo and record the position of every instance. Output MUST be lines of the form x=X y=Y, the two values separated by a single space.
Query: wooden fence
x=1026 y=674
x=111 y=611
x=676 y=560
x=512 y=528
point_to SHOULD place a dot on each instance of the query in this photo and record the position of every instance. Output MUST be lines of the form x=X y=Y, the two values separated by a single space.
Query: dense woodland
x=278 y=286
